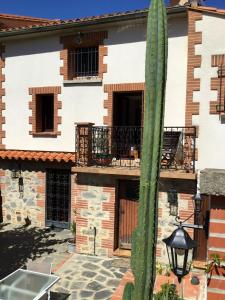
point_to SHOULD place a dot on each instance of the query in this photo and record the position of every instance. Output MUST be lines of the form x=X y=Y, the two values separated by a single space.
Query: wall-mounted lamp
x=16 y=172
x=198 y=208
x=78 y=38
x=180 y=251
x=172 y=197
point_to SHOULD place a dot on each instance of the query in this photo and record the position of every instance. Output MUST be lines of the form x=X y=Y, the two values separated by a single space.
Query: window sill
x=45 y=134
x=83 y=80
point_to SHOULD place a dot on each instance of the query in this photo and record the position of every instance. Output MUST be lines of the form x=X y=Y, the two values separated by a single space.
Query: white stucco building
x=89 y=74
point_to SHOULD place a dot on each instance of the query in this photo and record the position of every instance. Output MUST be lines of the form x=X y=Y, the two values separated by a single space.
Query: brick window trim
x=87 y=40
x=34 y=91
x=112 y=88
x=2 y=94
x=194 y=61
x=217 y=83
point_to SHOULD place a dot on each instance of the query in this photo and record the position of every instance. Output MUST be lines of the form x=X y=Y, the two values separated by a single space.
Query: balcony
x=120 y=147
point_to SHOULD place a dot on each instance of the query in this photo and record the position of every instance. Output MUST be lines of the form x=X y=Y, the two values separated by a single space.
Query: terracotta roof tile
x=209 y=9
x=74 y=21
x=12 y=16
x=38 y=155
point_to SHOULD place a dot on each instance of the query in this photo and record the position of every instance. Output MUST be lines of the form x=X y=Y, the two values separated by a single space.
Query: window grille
x=84 y=61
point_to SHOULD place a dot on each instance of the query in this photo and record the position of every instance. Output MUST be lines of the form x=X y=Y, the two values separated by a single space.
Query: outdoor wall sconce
x=16 y=172
x=180 y=248
x=198 y=208
x=172 y=197
x=78 y=38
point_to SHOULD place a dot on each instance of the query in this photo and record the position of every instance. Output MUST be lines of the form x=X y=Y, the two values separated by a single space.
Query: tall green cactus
x=144 y=237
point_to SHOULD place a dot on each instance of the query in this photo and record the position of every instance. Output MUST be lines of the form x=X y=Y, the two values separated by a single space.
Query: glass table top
x=26 y=285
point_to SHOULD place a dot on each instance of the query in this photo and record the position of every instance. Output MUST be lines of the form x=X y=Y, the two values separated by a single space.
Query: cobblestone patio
x=81 y=277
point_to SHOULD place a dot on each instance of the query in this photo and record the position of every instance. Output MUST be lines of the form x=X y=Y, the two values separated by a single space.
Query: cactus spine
x=144 y=237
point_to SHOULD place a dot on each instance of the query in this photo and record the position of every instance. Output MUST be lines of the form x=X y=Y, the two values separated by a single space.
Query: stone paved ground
x=82 y=277
x=89 y=277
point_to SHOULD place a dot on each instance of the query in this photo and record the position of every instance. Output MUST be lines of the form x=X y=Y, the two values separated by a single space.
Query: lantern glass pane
x=179 y=255
x=169 y=256
x=189 y=259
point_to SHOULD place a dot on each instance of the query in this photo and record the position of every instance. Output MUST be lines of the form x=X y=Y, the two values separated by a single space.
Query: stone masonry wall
x=30 y=203
x=16 y=206
x=186 y=190
x=95 y=208
x=166 y=221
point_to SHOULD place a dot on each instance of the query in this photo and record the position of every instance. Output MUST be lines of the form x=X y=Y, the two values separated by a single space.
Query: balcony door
x=57 y=198
x=127 y=122
x=128 y=109
x=128 y=211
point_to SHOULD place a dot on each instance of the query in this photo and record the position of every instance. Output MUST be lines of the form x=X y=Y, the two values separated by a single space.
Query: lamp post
x=180 y=251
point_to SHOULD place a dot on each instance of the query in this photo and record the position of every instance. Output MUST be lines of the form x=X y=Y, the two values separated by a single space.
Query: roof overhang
x=85 y=23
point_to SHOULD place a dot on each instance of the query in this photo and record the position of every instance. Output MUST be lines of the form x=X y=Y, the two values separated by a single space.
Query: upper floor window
x=45 y=113
x=83 y=55
x=44 y=107
x=84 y=62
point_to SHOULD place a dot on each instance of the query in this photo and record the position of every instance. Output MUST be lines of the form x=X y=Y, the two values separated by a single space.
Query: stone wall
x=186 y=190
x=95 y=208
x=16 y=205
x=30 y=203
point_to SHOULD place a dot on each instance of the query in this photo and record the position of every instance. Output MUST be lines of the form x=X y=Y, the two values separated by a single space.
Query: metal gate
x=57 y=198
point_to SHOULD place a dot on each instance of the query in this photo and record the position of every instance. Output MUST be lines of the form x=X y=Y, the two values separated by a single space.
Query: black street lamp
x=180 y=251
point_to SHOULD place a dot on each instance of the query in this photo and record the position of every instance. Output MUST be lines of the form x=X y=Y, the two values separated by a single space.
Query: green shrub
x=167 y=292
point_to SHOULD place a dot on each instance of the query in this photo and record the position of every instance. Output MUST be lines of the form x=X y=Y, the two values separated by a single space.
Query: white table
x=26 y=285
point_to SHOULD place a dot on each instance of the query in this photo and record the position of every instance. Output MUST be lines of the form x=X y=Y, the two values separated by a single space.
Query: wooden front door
x=128 y=209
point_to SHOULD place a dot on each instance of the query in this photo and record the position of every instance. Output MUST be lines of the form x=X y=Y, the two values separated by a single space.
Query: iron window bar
x=84 y=61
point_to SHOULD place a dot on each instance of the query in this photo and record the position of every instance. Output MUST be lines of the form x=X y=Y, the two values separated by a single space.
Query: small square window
x=45 y=113
x=84 y=61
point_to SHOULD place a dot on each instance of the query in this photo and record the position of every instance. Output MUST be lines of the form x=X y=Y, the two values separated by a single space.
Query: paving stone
x=113 y=282
x=86 y=293
x=77 y=285
x=106 y=273
x=90 y=266
x=118 y=275
x=103 y=295
x=100 y=278
x=88 y=274
x=95 y=286
x=74 y=296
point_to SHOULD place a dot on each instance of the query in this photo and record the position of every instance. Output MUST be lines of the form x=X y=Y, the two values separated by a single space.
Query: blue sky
x=66 y=9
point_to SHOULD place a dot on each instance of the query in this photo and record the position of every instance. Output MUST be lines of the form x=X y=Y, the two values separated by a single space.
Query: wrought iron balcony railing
x=121 y=147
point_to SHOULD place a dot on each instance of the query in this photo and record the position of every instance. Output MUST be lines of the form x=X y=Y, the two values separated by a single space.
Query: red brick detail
x=87 y=39
x=122 y=87
x=217 y=228
x=128 y=277
x=217 y=212
x=217 y=284
x=194 y=61
x=34 y=91
x=216 y=242
x=2 y=94
x=215 y=296
x=218 y=83
x=41 y=202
